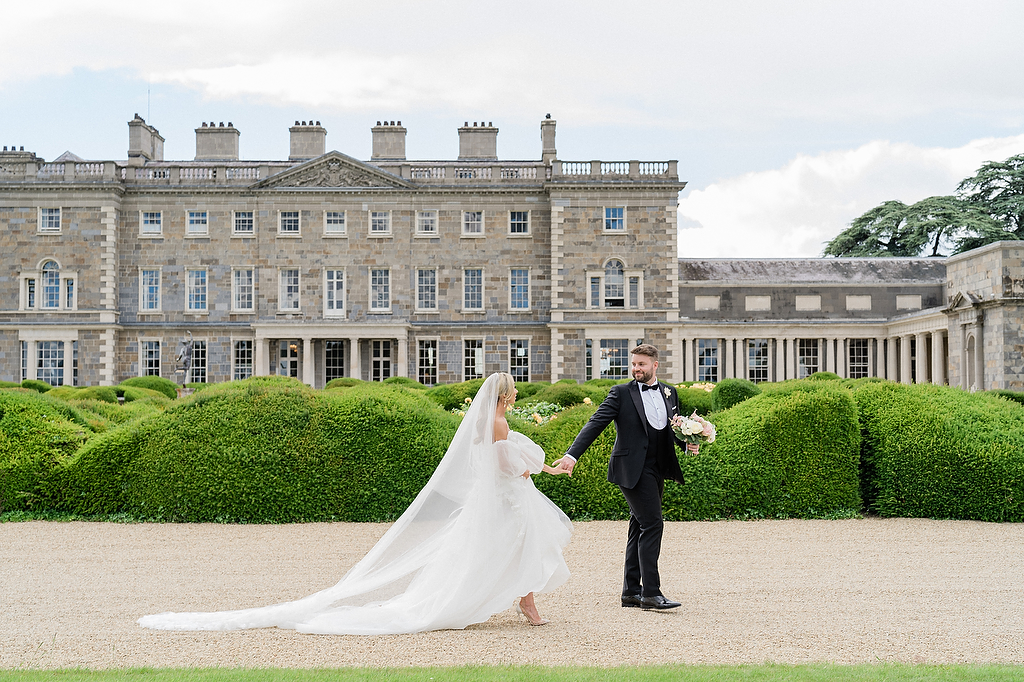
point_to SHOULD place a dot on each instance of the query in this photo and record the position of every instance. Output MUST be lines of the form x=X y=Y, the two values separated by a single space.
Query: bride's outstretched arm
x=554 y=471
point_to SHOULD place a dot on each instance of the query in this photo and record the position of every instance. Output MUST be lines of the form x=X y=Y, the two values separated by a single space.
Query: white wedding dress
x=478 y=536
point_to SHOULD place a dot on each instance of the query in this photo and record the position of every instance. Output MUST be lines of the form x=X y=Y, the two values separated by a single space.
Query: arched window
x=51 y=284
x=614 y=284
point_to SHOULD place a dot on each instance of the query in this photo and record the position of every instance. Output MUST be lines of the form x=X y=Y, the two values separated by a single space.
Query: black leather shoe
x=658 y=602
x=631 y=601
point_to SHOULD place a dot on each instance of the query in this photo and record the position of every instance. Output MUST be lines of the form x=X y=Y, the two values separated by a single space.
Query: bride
x=477 y=536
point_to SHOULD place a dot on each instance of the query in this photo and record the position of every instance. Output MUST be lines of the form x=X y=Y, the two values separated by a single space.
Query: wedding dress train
x=477 y=536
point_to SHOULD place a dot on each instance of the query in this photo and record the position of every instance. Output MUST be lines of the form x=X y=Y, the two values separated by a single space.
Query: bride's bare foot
x=528 y=608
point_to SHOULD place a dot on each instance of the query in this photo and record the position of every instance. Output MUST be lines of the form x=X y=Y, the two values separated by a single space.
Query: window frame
x=483 y=291
x=529 y=224
x=371 y=217
x=420 y=215
x=805 y=350
x=418 y=307
x=606 y=217
x=708 y=371
x=282 y=294
x=189 y=310
x=190 y=216
x=373 y=309
x=143 y=233
x=235 y=289
x=482 y=355
x=601 y=348
x=44 y=211
x=511 y=293
x=144 y=356
x=764 y=367
x=244 y=234
x=627 y=274
x=436 y=366
x=159 y=290
x=235 y=364
x=30 y=289
x=335 y=234
x=201 y=346
x=465 y=223
x=863 y=368
x=62 y=349
x=339 y=310
x=528 y=340
x=281 y=232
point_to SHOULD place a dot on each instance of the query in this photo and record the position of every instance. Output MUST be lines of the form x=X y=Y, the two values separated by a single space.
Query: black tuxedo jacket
x=624 y=406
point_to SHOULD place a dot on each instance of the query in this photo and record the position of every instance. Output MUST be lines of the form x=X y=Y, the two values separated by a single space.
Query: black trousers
x=646 y=526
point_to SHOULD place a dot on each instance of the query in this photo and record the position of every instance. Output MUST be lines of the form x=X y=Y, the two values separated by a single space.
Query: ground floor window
x=519 y=359
x=757 y=360
x=707 y=360
x=334 y=360
x=807 y=357
x=198 y=370
x=24 y=360
x=426 y=366
x=242 y=360
x=858 y=362
x=588 y=361
x=614 y=358
x=472 y=359
x=380 y=360
x=50 y=362
x=150 y=358
x=288 y=358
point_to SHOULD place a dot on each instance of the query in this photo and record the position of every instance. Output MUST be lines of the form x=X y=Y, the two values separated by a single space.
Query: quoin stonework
x=323 y=266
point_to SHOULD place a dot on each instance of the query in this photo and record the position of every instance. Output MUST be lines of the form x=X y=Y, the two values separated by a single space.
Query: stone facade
x=323 y=265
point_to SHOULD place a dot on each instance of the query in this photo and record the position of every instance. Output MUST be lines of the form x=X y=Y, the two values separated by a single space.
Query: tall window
x=151 y=358
x=426 y=289
x=858 y=363
x=197 y=290
x=151 y=223
x=380 y=222
x=380 y=360
x=244 y=225
x=197 y=223
x=519 y=222
x=242 y=283
x=707 y=360
x=242 y=360
x=334 y=223
x=380 y=290
x=426 y=222
x=757 y=360
x=51 y=285
x=50 y=362
x=634 y=292
x=426 y=369
x=74 y=363
x=519 y=289
x=614 y=284
x=334 y=360
x=288 y=222
x=289 y=298
x=334 y=292
x=288 y=358
x=519 y=359
x=24 y=360
x=472 y=359
x=614 y=219
x=807 y=357
x=149 y=290
x=614 y=358
x=473 y=289
x=472 y=222
x=588 y=361
x=49 y=220
x=198 y=373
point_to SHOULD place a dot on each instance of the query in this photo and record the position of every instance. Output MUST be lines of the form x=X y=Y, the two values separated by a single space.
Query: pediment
x=333 y=170
x=963 y=300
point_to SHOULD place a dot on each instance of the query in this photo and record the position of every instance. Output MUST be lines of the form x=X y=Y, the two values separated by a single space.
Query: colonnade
x=266 y=347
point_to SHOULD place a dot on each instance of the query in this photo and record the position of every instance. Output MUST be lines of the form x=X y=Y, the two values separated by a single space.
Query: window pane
x=426 y=289
x=757 y=360
x=595 y=292
x=474 y=289
x=519 y=222
x=151 y=358
x=520 y=284
x=290 y=289
x=427 y=362
x=426 y=222
x=198 y=373
x=243 y=222
x=335 y=293
x=614 y=285
x=152 y=222
x=380 y=222
x=334 y=222
x=51 y=285
x=807 y=351
x=50 y=362
x=519 y=359
x=380 y=360
x=289 y=222
x=858 y=363
x=243 y=290
x=49 y=219
x=472 y=222
x=707 y=360
x=634 y=292
x=243 y=360
x=150 y=289
x=614 y=219
x=380 y=289
x=614 y=358
x=197 y=289
x=334 y=359
x=473 y=359
x=197 y=222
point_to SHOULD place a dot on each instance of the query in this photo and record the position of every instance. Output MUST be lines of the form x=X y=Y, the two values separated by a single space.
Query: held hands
x=564 y=465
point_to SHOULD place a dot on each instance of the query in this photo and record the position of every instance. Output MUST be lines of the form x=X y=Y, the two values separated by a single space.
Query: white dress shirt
x=654 y=406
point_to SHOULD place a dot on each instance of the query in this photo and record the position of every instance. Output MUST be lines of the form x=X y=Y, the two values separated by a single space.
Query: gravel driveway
x=784 y=591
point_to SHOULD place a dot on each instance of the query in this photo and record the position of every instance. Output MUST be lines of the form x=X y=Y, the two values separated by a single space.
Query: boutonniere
x=668 y=393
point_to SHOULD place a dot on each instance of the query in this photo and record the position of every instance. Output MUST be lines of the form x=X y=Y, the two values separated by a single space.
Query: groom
x=642 y=458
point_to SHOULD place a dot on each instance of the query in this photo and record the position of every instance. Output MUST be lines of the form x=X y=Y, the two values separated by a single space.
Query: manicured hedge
x=343 y=382
x=568 y=393
x=939 y=452
x=729 y=392
x=266 y=449
x=1015 y=396
x=153 y=383
x=37 y=433
x=694 y=400
x=36 y=385
x=450 y=396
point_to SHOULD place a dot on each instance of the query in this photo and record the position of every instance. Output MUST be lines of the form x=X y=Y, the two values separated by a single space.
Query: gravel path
x=784 y=591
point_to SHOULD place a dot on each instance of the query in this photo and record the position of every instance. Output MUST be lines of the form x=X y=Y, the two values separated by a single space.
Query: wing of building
x=323 y=266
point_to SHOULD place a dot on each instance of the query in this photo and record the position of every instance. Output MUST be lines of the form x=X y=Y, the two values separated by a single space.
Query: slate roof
x=813 y=270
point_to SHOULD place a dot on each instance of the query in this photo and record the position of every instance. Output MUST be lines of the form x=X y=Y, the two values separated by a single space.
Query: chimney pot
x=306 y=142
x=230 y=124
x=318 y=122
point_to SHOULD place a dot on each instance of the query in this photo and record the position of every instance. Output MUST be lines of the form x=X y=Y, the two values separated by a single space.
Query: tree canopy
x=988 y=207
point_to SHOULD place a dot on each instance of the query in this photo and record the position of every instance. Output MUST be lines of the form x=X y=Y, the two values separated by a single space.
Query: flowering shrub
x=538 y=413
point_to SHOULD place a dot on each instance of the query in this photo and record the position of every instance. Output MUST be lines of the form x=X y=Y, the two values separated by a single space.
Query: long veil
x=443 y=564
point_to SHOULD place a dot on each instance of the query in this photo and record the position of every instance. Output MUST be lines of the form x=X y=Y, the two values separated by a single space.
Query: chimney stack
x=478 y=142
x=308 y=141
x=144 y=141
x=547 y=141
x=388 y=141
x=217 y=142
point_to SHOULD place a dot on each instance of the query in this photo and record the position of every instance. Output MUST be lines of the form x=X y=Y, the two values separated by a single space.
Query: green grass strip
x=882 y=672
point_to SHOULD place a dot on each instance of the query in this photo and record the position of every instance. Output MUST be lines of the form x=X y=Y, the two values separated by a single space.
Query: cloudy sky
x=788 y=118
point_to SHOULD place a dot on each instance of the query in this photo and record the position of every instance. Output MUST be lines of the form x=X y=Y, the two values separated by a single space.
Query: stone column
x=890 y=360
x=685 y=345
x=403 y=355
x=260 y=365
x=979 y=356
x=355 y=360
x=938 y=359
x=879 y=357
x=307 y=360
x=725 y=360
x=842 y=359
x=905 y=371
x=921 y=359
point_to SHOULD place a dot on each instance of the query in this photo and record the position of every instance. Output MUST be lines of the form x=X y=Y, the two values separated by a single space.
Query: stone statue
x=185 y=356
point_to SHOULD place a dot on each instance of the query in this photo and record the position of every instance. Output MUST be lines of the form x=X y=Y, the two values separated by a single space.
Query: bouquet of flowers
x=694 y=429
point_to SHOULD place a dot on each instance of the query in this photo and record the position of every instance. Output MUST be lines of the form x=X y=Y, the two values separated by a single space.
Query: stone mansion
x=323 y=266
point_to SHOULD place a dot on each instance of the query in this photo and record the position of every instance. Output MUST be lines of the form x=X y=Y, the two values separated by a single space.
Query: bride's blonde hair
x=506 y=386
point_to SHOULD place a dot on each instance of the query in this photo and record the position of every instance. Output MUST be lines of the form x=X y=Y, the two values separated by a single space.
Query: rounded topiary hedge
x=267 y=449
x=37 y=433
x=154 y=383
x=36 y=385
x=939 y=452
x=823 y=376
x=569 y=393
x=729 y=392
x=344 y=382
x=694 y=400
x=450 y=396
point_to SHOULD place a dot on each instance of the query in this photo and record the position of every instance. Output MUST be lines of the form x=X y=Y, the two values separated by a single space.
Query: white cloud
x=793 y=211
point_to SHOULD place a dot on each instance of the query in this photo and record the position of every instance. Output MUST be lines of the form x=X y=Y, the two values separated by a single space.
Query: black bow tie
x=646 y=387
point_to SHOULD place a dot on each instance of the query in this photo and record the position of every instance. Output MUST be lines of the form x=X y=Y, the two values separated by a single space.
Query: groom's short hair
x=646 y=349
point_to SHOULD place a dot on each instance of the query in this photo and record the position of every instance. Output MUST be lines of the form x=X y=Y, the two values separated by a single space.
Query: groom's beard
x=642 y=376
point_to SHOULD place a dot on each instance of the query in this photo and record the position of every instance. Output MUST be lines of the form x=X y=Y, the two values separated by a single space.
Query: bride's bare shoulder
x=500 y=429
